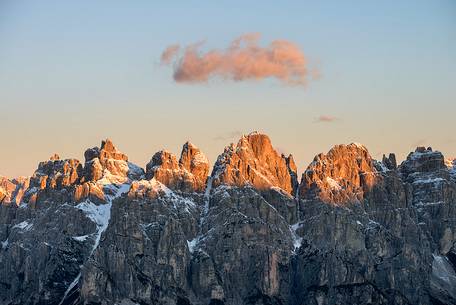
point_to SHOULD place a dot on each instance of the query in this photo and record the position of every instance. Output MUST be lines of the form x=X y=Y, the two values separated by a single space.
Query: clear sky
x=75 y=72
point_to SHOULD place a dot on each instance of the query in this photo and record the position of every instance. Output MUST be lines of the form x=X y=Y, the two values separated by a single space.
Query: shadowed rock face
x=254 y=161
x=357 y=231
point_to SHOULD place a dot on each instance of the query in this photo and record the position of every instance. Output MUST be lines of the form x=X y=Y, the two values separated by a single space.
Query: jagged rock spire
x=340 y=176
x=254 y=161
x=188 y=174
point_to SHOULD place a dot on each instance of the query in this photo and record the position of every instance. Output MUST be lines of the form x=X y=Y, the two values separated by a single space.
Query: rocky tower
x=343 y=175
x=187 y=175
x=196 y=163
x=254 y=161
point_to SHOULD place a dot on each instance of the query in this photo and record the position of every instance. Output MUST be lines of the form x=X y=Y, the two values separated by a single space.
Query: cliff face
x=189 y=174
x=353 y=231
x=342 y=176
x=253 y=161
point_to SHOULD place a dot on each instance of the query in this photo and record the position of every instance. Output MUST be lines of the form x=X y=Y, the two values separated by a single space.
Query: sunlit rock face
x=12 y=190
x=187 y=175
x=54 y=180
x=255 y=162
x=196 y=163
x=341 y=176
x=108 y=162
x=104 y=167
x=353 y=231
x=245 y=246
x=69 y=180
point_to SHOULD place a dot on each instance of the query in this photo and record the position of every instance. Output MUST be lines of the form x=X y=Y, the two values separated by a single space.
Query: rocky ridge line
x=354 y=231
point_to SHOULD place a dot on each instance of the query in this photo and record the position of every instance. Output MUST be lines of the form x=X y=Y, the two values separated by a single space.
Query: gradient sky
x=75 y=72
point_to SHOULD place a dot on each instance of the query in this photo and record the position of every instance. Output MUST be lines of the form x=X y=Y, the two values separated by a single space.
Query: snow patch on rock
x=192 y=244
x=5 y=244
x=333 y=184
x=297 y=240
x=81 y=238
x=24 y=226
x=443 y=277
x=100 y=215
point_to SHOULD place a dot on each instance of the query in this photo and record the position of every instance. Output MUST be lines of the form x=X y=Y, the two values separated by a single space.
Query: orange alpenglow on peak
x=254 y=161
x=189 y=174
x=106 y=157
x=109 y=151
x=340 y=176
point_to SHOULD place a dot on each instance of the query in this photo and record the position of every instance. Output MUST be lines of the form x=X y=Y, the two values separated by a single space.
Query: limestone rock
x=358 y=231
x=244 y=240
x=56 y=174
x=423 y=160
x=89 y=190
x=432 y=191
x=254 y=161
x=54 y=181
x=390 y=161
x=144 y=257
x=110 y=162
x=189 y=174
x=341 y=176
x=195 y=162
x=8 y=189
x=355 y=233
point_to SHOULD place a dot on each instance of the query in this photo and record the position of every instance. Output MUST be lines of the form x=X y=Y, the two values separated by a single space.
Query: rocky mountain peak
x=340 y=176
x=109 y=151
x=56 y=173
x=122 y=239
x=68 y=180
x=422 y=160
x=192 y=157
x=54 y=157
x=292 y=169
x=189 y=174
x=110 y=162
x=106 y=151
x=195 y=162
x=163 y=160
x=390 y=161
x=53 y=175
x=254 y=161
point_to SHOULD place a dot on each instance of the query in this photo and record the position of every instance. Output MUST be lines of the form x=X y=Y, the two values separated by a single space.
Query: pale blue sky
x=72 y=73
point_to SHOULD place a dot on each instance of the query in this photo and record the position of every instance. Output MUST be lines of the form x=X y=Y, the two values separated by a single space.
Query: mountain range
x=350 y=230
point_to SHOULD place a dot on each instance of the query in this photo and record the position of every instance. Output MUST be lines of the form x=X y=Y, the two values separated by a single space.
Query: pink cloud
x=243 y=60
x=169 y=53
x=326 y=119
